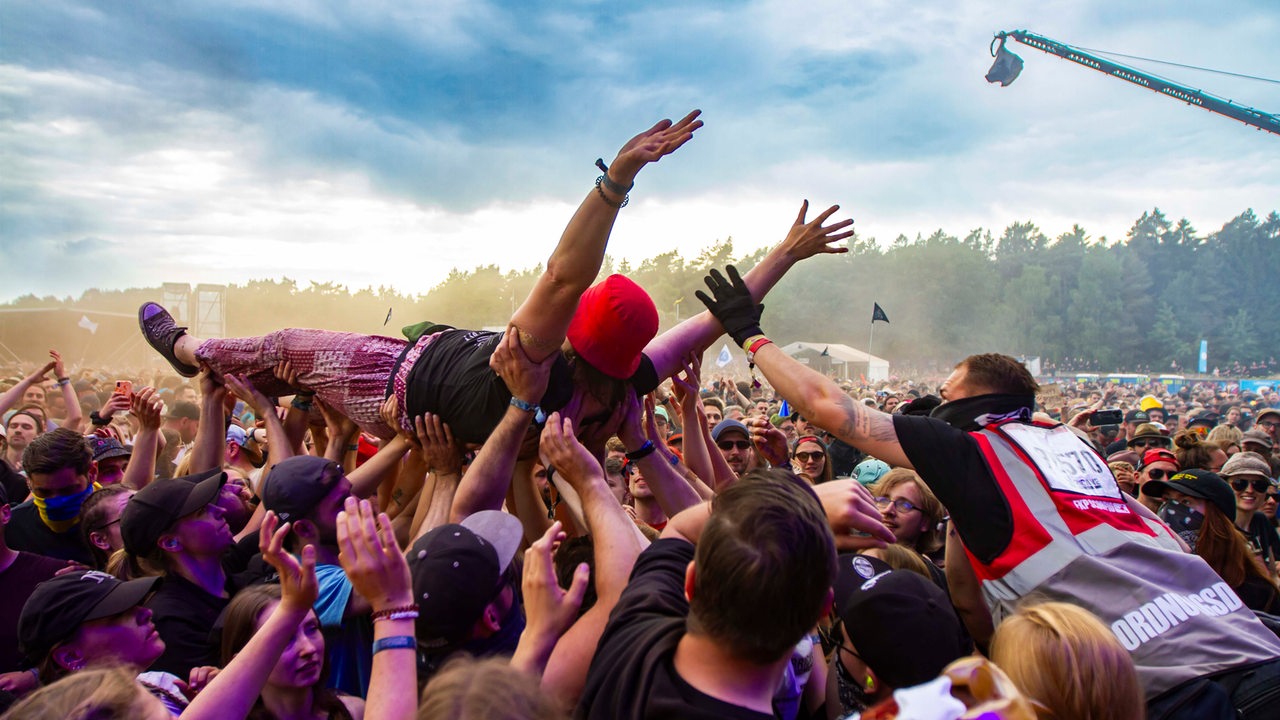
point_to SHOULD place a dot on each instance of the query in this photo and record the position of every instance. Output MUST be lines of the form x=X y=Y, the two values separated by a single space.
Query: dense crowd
x=570 y=518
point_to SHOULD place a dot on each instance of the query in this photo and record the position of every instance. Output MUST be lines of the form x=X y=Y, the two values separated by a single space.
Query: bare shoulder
x=354 y=705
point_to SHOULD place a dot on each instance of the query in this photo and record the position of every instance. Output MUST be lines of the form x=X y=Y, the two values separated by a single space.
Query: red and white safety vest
x=1077 y=538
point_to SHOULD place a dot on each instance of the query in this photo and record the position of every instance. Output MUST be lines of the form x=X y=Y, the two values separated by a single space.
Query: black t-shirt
x=452 y=379
x=14 y=482
x=633 y=674
x=949 y=462
x=184 y=615
x=19 y=580
x=1262 y=538
x=26 y=531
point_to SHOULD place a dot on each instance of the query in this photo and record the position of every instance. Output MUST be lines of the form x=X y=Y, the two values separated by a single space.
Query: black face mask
x=1184 y=521
x=974 y=413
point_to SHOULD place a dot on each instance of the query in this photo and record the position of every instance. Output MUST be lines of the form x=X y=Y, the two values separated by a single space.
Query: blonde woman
x=1068 y=663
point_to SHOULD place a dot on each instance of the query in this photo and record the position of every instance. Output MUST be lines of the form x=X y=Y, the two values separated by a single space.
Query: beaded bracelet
x=625 y=199
x=395 y=642
x=609 y=184
x=409 y=613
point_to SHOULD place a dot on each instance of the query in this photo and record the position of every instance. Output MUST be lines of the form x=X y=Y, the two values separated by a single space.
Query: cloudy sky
x=378 y=142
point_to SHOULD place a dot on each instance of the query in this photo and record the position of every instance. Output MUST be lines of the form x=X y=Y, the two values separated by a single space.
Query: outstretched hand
x=243 y=388
x=298 y=585
x=550 y=609
x=852 y=513
x=560 y=449
x=769 y=440
x=147 y=406
x=368 y=553
x=811 y=238
x=732 y=305
x=59 y=370
x=441 y=451
x=664 y=138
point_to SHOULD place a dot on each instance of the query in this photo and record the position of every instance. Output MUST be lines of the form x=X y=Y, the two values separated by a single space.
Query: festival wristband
x=524 y=405
x=644 y=451
x=395 y=642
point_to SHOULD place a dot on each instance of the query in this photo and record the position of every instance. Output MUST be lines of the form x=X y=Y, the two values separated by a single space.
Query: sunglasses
x=902 y=505
x=1153 y=443
x=728 y=445
x=809 y=456
x=1259 y=485
x=1158 y=474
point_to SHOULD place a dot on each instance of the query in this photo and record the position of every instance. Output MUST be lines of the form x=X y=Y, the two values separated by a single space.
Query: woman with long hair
x=295 y=689
x=1200 y=507
x=809 y=457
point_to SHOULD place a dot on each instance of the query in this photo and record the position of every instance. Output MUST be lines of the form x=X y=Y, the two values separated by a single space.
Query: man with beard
x=734 y=441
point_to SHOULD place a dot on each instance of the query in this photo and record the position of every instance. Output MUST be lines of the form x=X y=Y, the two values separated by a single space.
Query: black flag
x=878 y=314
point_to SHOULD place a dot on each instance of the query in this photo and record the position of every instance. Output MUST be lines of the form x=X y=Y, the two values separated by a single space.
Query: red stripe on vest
x=1029 y=536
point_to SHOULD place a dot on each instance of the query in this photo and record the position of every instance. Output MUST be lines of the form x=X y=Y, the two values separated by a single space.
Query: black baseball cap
x=59 y=606
x=902 y=624
x=296 y=485
x=1137 y=416
x=458 y=569
x=1198 y=484
x=153 y=510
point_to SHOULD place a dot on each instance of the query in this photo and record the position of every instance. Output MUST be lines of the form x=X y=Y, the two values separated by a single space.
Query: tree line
x=1142 y=303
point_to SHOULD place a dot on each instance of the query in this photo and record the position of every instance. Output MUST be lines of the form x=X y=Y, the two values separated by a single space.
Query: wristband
x=523 y=405
x=402 y=612
x=754 y=347
x=98 y=420
x=608 y=182
x=645 y=451
x=63 y=382
x=353 y=448
x=395 y=642
x=304 y=405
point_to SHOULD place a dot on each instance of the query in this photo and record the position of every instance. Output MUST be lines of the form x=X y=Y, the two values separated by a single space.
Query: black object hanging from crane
x=1008 y=65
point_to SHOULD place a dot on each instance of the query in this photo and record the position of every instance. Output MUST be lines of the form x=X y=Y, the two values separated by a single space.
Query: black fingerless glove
x=732 y=305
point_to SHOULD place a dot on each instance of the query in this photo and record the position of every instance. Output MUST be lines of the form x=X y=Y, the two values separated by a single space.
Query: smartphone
x=125 y=388
x=1107 y=416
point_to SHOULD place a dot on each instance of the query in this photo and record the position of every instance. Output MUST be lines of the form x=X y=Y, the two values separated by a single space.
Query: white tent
x=841 y=361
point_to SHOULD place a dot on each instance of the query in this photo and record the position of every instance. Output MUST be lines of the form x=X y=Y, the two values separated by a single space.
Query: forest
x=1142 y=303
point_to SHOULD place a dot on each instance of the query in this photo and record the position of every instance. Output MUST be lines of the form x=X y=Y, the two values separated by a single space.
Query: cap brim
x=502 y=530
x=126 y=595
x=1157 y=489
x=208 y=484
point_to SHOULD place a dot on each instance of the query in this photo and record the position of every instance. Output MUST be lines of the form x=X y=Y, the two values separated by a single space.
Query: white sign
x=1068 y=465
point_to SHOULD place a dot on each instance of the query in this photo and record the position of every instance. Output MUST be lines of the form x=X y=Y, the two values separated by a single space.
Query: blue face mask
x=1184 y=521
x=62 y=512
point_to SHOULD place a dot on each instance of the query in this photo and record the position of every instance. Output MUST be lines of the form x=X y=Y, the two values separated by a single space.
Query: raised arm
x=13 y=395
x=669 y=487
x=617 y=545
x=804 y=240
x=210 y=446
x=544 y=317
x=489 y=477
x=75 y=414
x=816 y=397
x=141 y=470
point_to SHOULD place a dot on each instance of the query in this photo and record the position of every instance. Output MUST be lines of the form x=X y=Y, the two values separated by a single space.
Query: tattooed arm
x=822 y=403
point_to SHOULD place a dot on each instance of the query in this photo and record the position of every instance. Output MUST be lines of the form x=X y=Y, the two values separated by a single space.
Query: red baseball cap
x=615 y=319
x=1159 y=455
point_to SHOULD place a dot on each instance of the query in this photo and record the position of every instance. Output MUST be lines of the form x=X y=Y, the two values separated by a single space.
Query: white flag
x=88 y=324
x=723 y=359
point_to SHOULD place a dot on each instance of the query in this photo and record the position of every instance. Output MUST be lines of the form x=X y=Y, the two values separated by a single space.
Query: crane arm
x=1212 y=103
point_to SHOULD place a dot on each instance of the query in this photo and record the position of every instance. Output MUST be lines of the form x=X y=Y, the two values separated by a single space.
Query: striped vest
x=1078 y=538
